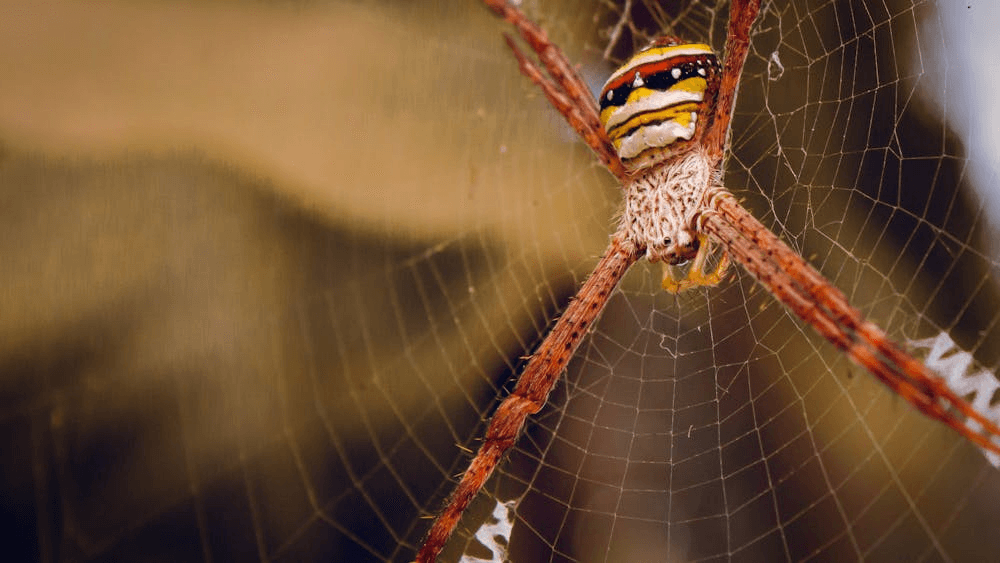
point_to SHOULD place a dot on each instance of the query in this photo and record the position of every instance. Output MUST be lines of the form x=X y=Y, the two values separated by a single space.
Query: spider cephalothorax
x=660 y=204
x=655 y=109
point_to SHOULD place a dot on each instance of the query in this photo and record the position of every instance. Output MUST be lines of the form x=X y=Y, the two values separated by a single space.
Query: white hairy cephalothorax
x=660 y=207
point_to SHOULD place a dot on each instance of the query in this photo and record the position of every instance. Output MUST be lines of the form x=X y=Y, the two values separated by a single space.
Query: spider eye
x=650 y=106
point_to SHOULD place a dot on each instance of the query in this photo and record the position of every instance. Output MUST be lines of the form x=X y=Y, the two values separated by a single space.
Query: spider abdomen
x=656 y=104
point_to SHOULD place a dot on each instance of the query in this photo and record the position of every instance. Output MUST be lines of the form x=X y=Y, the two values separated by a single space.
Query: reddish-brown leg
x=742 y=14
x=563 y=86
x=804 y=290
x=533 y=387
x=596 y=139
x=554 y=60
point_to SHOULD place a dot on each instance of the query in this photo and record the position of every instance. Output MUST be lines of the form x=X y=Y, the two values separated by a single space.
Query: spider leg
x=576 y=103
x=800 y=287
x=533 y=387
x=696 y=276
x=554 y=60
x=742 y=14
x=596 y=139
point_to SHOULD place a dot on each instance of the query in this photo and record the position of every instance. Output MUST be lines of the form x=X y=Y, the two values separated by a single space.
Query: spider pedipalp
x=696 y=275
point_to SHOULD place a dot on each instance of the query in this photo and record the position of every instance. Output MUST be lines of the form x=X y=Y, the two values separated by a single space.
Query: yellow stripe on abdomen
x=681 y=113
x=650 y=107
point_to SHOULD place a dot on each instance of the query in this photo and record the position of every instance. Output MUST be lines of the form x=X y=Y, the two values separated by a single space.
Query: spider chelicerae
x=661 y=128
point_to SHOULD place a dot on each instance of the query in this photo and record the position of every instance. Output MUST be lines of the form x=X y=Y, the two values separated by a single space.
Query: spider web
x=269 y=266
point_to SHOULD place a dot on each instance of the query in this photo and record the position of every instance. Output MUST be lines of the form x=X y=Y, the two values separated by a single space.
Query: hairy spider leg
x=742 y=14
x=552 y=57
x=533 y=387
x=563 y=86
x=813 y=299
x=574 y=115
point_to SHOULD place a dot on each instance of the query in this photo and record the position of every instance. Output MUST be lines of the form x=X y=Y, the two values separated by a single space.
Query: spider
x=661 y=128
